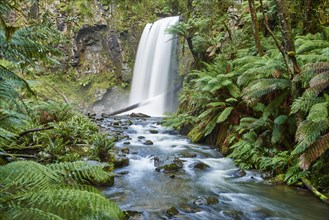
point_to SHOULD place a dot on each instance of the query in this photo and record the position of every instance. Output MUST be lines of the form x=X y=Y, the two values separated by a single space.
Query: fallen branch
x=34 y=130
x=310 y=187
x=16 y=155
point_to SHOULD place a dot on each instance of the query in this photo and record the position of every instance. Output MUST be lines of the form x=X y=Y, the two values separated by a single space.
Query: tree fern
x=263 y=87
x=308 y=132
x=314 y=151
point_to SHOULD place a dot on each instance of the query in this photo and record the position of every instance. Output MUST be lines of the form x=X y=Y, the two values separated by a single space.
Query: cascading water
x=155 y=68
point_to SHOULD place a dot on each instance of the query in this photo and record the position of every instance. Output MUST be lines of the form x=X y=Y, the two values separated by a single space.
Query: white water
x=150 y=192
x=155 y=68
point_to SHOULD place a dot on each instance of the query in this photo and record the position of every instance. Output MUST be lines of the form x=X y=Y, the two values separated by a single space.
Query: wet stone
x=211 y=200
x=120 y=161
x=200 y=201
x=200 y=166
x=126 y=142
x=172 y=211
x=187 y=154
x=234 y=214
x=125 y=150
x=148 y=142
x=168 y=164
x=237 y=173
x=141 y=137
x=153 y=131
x=130 y=214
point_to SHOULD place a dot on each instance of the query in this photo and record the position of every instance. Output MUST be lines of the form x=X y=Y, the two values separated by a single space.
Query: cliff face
x=98 y=42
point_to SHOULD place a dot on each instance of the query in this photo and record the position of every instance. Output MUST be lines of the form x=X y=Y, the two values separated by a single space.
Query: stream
x=203 y=187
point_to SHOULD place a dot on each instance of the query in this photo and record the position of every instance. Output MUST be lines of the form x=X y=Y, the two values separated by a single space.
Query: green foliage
x=82 y=172
x=35 y=191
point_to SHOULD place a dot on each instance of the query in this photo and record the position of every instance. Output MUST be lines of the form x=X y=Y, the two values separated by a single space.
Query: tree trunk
x=255 y=26
x=308 y=4
x=287 y=33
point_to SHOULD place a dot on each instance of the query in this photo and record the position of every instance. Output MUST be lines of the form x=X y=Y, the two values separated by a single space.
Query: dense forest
x=255 y=78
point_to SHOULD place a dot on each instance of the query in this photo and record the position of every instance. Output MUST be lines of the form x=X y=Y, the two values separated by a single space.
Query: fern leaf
x=263 y=87
x=307 y=133
x=224 y=115
x=314 y=151
x=319 y=82
x=318 y=112
x=305 y=102
x=17 y=212
x=82 y=172
x=82 y=204
x=27 y=175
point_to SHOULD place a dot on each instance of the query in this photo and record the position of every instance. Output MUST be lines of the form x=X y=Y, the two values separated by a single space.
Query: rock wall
x=98 y=42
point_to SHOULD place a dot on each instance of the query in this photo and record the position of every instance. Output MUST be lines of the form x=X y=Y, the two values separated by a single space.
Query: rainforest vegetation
x=255 y=78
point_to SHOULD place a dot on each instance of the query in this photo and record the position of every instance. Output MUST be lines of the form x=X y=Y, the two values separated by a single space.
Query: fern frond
x=82 y=172
x=224 y=114
x=304 y=46
x=82 y=204
x=314 y=151
x=308 y=132
x=16 y=213
x=263 y=87
x=319 y=82
x=294 y=174
x=318 y=112
x=305 y=102
x=27 y=175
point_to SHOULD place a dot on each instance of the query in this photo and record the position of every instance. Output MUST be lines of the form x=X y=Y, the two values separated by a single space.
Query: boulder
x=200 y=166
x=168 y=163
x=148 y=142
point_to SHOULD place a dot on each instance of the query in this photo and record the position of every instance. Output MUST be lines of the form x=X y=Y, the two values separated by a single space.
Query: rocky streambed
x=162 y=175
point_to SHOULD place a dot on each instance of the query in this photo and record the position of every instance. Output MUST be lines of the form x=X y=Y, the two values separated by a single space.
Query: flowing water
x=155 y=68
x=211 y=193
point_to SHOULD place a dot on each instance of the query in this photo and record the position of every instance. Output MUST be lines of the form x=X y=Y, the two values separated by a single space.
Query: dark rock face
x=168 y=164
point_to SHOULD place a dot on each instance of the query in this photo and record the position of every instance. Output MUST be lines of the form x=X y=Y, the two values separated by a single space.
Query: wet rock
x=148 y=142
x=172 y=211
x=187 y=154
x=105 y=115
x=125 y=150
x=200 y=166
x=200 y=201
x=153 y=131
x=120 y=161
x=237 y=173
x=267 y=175
x=139 y=115
x=141 y=137
x=172 y=176
x=211 y=200
x=126 y=142
x=234 y=214
x=189 y=209
x=121 y=174
x=130 y=214
x=168 y=164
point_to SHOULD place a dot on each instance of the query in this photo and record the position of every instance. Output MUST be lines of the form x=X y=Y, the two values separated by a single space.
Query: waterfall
x=155 y=69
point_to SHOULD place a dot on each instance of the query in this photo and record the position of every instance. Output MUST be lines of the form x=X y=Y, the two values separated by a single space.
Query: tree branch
x=310 y=187
x=34 y=130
